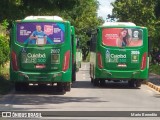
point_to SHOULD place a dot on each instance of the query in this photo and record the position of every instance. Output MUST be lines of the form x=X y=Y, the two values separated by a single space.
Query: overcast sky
x=105 y=8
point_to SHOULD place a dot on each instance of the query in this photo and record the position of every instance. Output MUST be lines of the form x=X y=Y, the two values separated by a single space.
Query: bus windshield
x=40 y=33
x=122 y=37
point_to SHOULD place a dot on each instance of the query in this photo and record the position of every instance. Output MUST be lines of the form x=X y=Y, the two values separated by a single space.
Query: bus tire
x=134 y=83
x=91 y=80
x=102 y=82
x=131 y=83
x=21 y=86
x=17 y=86
x=74 y=73
x=138 y=83
x=96 y=82
x=67 y=87
x=60 y=87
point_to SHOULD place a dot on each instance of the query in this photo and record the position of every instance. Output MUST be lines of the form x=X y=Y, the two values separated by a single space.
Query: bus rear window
x=121 y=37
x=40 y=33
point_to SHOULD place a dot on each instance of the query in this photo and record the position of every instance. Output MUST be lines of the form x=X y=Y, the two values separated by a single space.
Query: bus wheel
x=73 y=76
x=91 y=80
x=74 y=73
x=67 y=86
x=134 y=83
x=21 y=86
x=96 y=82
x=102 y=82
x=138 y=83
x=60 y=87
x=131 y=83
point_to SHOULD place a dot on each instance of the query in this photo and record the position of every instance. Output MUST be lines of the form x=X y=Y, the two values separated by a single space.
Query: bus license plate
x=121 y=65
x=40 y=66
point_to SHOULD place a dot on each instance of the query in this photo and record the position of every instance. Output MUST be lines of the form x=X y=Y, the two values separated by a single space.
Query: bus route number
x=135 y=52
x=55 y=51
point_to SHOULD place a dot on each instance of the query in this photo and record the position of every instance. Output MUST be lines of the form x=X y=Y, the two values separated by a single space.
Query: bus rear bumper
x=127 y=75
x=53 y=77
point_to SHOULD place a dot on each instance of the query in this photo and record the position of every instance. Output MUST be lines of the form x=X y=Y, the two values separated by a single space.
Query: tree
x=81 y=13
x=140 y=12
x=4 y=43
x=84 y=18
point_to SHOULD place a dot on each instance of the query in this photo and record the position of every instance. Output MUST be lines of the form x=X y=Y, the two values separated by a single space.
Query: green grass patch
x=5 y=84
x=154 y=69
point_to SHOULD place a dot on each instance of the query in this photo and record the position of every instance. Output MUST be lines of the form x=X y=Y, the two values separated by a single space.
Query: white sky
x=105 y=8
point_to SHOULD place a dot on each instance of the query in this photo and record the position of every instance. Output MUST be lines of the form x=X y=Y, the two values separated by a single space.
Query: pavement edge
x=153 y=86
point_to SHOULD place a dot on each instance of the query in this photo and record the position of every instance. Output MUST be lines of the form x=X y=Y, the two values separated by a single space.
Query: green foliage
x=4 y=50
x=154 y=69
x=141 y=12
x=4 y=43
x=81 y=13
x=5 y=85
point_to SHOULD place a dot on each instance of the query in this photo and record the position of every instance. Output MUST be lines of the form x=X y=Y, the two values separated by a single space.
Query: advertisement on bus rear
x=122 y=37
x=40 y=33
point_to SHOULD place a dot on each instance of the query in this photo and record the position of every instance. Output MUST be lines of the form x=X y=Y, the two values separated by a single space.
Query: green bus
x=41 y=52
x=78 y=58
x=73 y=37
x=119 y=51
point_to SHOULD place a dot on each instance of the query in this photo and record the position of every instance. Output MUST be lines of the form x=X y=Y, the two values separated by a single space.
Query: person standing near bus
x=122 y=40
x=38 y=36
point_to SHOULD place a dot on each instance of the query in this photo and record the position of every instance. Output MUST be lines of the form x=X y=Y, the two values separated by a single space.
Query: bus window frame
x=139 y=29
x=28 y=44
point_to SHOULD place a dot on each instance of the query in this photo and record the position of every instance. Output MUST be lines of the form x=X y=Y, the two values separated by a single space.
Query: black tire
x=96 y=82
x=102 y=82
x=74 y=73
x=17 y=86
x=60 y=87
x=134 y=83
x=138 y=83
x=91 y=80
x=131 y=83
x=67 y=87
x=21 y=86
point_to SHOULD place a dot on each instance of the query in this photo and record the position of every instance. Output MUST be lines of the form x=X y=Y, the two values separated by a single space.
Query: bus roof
x=44 y=18
x=119 y=24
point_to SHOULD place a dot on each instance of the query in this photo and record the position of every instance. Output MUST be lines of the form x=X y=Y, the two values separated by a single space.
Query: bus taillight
x=144 y=61
x=66 y=60
x=99 y=58
x=14 y=61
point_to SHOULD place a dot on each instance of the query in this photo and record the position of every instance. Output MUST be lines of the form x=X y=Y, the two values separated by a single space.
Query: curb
x=153 y=86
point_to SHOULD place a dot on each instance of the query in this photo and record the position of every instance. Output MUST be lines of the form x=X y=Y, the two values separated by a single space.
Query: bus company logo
x=48 y=29
x=38 y=55
x=107 y=54
x=24 y=50
x=135 y=34
x=118 y=56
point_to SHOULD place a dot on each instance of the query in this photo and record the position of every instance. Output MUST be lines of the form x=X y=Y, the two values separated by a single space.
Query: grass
x=154 y=68
x=5 y=84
